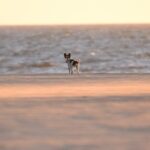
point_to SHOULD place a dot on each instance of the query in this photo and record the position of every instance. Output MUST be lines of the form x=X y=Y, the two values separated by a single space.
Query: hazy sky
x=74 y=11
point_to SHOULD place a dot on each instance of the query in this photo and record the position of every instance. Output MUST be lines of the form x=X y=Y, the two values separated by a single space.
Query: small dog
x=71 y=63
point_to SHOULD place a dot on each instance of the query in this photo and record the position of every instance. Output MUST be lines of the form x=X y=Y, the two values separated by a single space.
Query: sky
x=44 y=12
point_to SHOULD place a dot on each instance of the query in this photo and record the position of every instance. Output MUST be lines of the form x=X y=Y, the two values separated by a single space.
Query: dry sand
x=85 y=112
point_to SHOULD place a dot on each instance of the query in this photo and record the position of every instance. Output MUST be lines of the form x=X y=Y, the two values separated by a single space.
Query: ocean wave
x=99 y=48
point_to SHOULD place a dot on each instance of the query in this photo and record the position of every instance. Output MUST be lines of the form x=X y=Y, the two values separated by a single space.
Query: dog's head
x=67 y=56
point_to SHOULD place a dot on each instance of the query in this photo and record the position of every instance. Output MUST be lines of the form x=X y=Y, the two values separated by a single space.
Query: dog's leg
x=69 y=68
x=78 y=68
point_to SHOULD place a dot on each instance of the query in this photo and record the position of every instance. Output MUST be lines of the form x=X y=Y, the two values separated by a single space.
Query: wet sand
x=85 y=112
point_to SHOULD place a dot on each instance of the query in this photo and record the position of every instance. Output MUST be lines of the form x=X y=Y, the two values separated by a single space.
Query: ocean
x=100 y=48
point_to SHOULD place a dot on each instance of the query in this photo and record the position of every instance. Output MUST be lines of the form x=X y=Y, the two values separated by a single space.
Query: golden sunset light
x=74 y=74
x=73 y=11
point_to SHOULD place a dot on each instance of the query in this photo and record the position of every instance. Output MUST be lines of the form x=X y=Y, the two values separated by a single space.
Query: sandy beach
x=79 y=112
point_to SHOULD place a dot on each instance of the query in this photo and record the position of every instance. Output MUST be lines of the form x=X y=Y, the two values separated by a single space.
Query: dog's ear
x=65 y=55
x=69 y=55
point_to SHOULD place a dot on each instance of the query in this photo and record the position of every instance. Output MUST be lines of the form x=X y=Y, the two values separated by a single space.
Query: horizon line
x=77 y=24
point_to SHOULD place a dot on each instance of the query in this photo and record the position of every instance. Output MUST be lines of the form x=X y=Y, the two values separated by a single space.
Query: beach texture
x=79 y=112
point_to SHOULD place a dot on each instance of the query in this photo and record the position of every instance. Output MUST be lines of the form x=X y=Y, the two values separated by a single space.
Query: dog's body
x=71 y=63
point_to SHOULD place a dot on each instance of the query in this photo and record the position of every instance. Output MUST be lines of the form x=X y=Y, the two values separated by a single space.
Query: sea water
x=100 y=48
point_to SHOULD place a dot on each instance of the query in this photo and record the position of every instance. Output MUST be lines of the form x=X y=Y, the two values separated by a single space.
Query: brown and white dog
x=71 y=63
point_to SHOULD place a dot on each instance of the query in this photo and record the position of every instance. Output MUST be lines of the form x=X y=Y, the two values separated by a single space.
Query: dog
x=71 y=63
